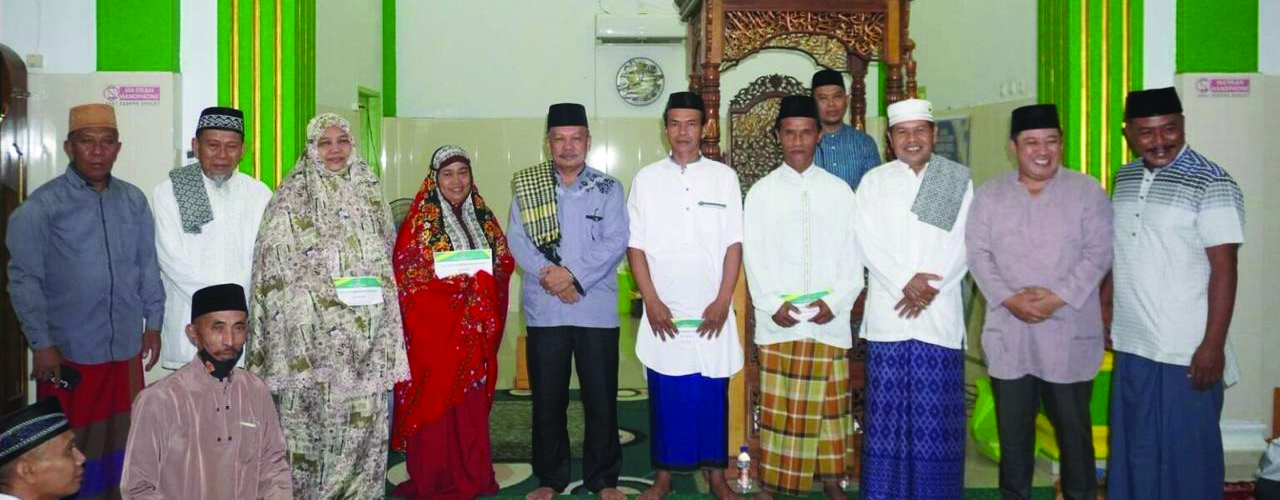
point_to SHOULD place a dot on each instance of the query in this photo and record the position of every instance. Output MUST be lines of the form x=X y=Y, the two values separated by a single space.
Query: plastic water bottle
x=744 y=471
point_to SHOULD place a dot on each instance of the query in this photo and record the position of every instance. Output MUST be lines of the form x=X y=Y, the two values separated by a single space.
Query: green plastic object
x=626 y=285
x=982 y=424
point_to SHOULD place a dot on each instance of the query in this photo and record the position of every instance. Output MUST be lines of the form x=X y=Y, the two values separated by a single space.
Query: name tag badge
x=711 y=204
x=358 y=290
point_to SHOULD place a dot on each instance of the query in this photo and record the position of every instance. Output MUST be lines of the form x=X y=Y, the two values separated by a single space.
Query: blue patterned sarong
x=914 y=437
x=687 y=417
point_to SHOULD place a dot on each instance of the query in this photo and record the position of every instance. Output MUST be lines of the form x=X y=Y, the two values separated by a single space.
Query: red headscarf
x=453 y=326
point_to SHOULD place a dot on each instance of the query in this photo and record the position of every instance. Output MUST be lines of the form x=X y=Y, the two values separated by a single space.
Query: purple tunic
x=1059 y=240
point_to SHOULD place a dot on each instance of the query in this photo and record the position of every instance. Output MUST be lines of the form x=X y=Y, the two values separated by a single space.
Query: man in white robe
x=207 y=216
x=685 y=253
x=910 y=217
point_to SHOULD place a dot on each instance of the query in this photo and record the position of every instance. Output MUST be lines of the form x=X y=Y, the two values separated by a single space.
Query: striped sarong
x=806 y=428
x=98 y=410
x=913 y=440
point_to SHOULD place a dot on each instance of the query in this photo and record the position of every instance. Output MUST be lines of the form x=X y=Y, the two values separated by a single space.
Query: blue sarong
x=688 y=417
x=1165 y=439
x=914 y=437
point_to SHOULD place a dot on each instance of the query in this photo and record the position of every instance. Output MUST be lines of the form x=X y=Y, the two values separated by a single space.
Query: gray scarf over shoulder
x=941 y=193
x=193 y=200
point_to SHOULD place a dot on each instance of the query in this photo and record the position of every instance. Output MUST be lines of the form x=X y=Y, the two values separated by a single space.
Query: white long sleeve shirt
x=685 y=220
x=896 y=246
x=221 y=253
x=798 y=238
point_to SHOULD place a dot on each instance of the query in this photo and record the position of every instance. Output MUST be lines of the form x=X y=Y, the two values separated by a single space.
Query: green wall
x=388 y=58
x=138 y=35
x=1218 y=36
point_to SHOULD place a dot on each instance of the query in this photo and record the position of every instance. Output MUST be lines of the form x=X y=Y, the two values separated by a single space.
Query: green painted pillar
x=1089 y=55
x=266 y=68
x=388 y=58
x=138 y=35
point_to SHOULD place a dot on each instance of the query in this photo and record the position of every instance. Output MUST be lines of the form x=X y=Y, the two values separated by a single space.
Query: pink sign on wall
x=1223 y=87
x=132 y=95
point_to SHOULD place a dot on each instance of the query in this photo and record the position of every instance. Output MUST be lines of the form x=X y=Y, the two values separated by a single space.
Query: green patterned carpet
x=510 y=432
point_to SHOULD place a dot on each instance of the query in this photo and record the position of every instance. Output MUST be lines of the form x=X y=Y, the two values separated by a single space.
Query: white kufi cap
x=910 y=110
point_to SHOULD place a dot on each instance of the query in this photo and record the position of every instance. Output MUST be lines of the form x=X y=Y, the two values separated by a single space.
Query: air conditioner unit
x=652 y=28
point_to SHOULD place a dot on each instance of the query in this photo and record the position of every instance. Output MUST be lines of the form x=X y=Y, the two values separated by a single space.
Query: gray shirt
x=1059 y=240
x=83 y=275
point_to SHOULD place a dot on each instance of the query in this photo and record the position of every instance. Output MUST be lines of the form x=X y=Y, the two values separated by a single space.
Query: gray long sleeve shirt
x=83 y=274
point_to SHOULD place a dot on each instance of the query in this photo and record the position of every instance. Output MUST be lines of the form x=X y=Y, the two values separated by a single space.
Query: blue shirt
x=83 y=275
x=593 y=238
x=848 y=154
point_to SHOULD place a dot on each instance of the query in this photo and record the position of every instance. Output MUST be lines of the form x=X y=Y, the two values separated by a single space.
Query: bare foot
x=832 y=490
x=661 y=487
x=719 y=486
x=611 y=494
x=543 y=493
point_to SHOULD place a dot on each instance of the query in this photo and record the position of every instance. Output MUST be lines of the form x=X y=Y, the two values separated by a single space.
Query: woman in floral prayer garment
x=327 y=336
x=453 y=328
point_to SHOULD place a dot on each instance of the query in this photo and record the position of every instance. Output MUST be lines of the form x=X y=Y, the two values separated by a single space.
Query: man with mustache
x=910 y=217
x=1039 y=242
x=86 y=289
x=1179 y=223
x=685 y=253
x=208 y=431
x=38 y=455
x=207 y=216
x=568 y=232
x=804 y=272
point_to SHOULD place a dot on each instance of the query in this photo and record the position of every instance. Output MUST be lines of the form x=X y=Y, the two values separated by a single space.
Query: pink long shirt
x=1059 y=240
x=194 y=437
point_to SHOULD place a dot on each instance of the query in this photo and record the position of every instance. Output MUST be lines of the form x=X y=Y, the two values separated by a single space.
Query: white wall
x=64 y=33
x=1242 y=149
x=1159 y=42
x=198 y=62
x=522 y=58
x=445 y=70
x=976 y=51
x=1269 y=37
x=349 y=49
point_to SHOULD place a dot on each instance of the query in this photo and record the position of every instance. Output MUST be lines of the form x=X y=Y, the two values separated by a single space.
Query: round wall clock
x=640 y=81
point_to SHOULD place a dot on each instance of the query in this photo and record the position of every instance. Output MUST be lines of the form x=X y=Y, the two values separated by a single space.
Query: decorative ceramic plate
x=640 y=81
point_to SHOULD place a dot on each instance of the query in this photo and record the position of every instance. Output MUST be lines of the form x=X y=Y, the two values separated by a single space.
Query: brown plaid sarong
x=806 y=429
